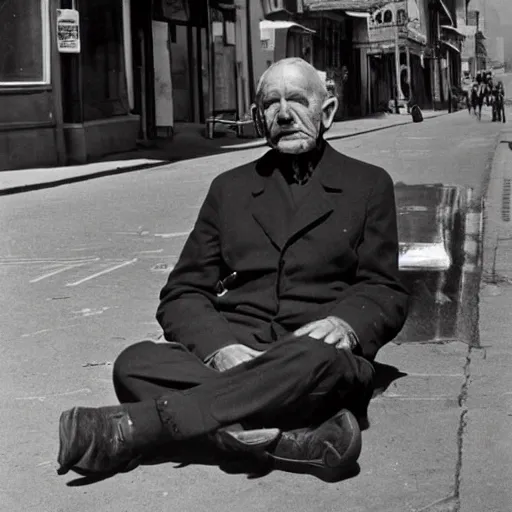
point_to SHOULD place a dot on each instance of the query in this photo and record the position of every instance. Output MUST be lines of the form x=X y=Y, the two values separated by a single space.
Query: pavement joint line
x=440 y=505
x=122 y=170
x=418 y=398
x=411 y=374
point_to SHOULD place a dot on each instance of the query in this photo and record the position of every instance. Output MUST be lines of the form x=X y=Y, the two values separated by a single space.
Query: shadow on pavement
x=188 y=142
x=199 y=452
x=385 y=374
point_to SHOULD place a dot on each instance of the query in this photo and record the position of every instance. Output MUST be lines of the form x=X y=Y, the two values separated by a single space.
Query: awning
x=269 y=29
x=450 y=45
x=267 y=25
x=447 y=12
x=357 y=14
x=344 y=5
x=453 y=29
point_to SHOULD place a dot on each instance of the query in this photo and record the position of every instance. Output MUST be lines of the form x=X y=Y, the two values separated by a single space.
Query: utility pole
x=397 y=67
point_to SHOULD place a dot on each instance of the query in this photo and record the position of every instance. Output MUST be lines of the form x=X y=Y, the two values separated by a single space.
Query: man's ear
x=258 y=121
x=328 y=110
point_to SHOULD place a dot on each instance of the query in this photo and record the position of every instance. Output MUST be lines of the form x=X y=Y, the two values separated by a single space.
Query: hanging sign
x=68 y=31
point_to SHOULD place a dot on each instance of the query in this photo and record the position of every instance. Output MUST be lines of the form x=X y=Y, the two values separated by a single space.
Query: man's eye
x=299 y=99
x=269 y=103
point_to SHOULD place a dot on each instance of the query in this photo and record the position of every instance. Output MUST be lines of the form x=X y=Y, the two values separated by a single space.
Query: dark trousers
x=297 y=382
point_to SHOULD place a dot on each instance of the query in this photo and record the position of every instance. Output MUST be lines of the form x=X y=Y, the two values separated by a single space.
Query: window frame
x=45 y=49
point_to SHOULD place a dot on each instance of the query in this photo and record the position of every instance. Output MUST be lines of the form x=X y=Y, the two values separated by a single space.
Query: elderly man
x=285 y=290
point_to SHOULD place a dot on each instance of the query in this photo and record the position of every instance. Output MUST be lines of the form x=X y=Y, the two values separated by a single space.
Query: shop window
x=401 y=16
x=24 y=42
x=388 y=16
x=103 y=72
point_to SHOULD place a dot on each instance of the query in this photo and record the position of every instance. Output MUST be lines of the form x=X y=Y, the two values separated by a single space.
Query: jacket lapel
x=269 y=208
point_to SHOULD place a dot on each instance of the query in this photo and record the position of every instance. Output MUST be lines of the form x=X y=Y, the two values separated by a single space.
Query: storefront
x=66 y=83
x=97 y=82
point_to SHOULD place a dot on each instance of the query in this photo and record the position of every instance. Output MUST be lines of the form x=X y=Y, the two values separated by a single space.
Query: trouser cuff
x=181 y=416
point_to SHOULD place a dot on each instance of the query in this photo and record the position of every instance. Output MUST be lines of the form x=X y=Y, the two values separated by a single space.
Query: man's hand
x=232 y=355
x=332 y=330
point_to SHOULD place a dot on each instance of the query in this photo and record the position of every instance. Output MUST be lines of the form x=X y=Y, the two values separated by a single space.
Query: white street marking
x=106 y=271
x=28 y=261
x=43 y=398
x=148 y=252
x=173 y=235
x=58 y=271
x=92 y=312
x=42 y=331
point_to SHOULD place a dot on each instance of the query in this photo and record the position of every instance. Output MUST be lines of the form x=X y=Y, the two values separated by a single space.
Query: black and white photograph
x=256 y=255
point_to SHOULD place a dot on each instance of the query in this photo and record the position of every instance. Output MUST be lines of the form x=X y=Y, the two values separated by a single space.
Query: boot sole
x=332 y=466
x=64 y=440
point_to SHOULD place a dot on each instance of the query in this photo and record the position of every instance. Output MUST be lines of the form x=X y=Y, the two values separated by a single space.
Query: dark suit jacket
x=337 y=255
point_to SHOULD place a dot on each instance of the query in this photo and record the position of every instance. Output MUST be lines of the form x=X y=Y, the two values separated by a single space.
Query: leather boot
x=97 y=440
x=329 y=451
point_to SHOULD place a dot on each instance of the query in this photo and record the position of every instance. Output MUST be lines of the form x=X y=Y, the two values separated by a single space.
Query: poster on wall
x=68 y=31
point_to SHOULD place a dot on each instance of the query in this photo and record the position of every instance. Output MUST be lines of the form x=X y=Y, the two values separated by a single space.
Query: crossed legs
x=297 y=382
x=307 y=399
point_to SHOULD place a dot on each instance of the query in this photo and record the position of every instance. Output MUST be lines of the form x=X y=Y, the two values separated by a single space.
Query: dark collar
x=329 y=169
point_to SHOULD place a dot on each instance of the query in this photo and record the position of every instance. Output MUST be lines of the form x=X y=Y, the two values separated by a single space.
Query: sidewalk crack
x=463 y=396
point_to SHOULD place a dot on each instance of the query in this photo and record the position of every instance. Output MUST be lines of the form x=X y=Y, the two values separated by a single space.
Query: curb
x=122 y=170
x=75 y=179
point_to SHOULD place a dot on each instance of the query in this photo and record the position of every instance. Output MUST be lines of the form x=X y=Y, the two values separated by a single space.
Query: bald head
x=296 y=69
x=293 y=106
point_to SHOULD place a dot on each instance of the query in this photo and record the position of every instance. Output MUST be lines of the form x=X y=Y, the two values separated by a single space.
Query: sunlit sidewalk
x=188 y=143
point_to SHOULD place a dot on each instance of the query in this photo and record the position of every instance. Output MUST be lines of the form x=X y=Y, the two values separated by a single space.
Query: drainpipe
x=56 y=81
x=397 y=69
x=250 y=63
x=211 y=70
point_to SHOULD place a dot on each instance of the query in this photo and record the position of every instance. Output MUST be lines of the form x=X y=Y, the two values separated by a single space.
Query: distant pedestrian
x=498 y=104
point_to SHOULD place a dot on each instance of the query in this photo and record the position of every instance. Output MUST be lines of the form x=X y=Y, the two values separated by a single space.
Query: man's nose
x=284 y=116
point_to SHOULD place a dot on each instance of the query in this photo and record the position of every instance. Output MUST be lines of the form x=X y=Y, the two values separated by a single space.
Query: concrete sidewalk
x=187 y=143
x=486 y=454
x=439 y=442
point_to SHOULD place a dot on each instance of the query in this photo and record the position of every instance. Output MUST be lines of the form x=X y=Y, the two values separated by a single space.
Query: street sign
x=68 y=31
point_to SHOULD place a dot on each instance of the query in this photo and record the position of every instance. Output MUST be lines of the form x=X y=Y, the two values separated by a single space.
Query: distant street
x=81 y=267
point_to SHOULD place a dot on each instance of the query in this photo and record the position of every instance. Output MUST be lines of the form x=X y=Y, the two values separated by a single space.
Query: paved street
x=81 y=267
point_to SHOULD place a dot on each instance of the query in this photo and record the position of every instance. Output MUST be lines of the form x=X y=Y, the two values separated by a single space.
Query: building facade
x=84 y=78
x=320 y=35
x=445 y=39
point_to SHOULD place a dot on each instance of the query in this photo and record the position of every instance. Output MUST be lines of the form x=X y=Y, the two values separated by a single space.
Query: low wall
x=93 y=139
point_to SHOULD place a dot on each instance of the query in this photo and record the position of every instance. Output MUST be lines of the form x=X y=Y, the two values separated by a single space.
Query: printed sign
x=68 y=31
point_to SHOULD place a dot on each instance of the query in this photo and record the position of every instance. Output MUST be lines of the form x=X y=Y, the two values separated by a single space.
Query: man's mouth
x=292 y=134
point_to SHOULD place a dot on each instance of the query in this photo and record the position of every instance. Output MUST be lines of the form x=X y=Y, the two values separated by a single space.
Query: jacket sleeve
x=187 y=310
x=375 y=306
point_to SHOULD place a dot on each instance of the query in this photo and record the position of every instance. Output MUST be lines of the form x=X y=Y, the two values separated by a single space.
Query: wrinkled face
x=292 y=106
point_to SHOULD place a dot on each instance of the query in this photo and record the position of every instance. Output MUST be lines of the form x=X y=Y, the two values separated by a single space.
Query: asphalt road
x=80 y=271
